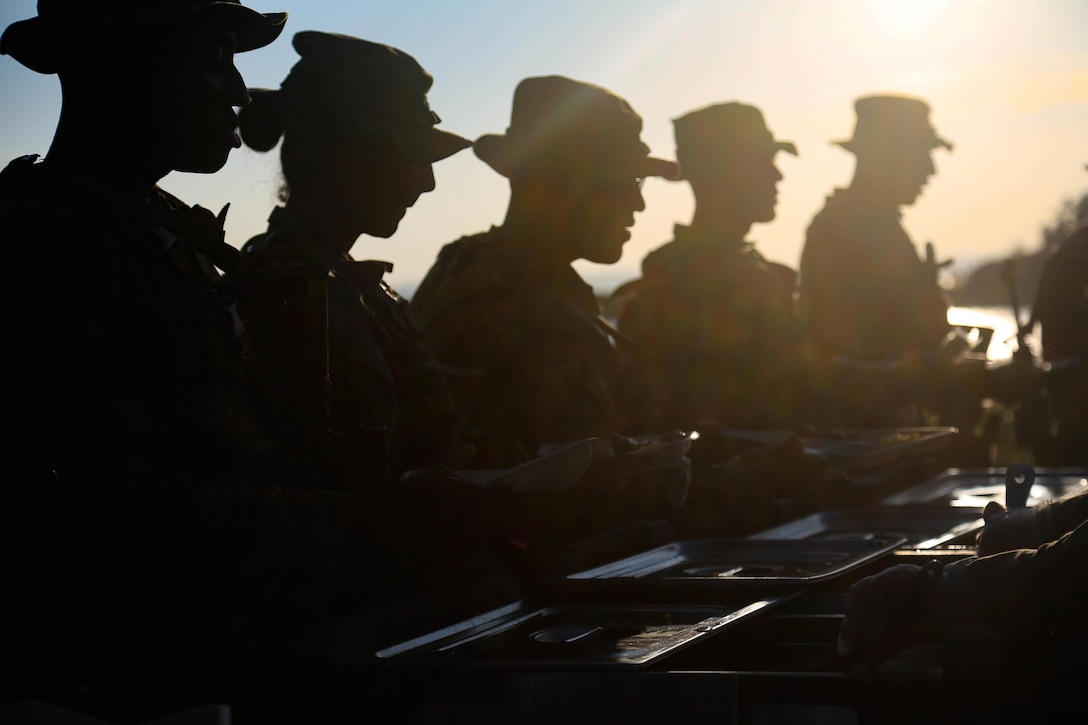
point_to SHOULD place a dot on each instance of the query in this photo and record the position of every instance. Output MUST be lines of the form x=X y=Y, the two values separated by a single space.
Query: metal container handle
x=1019 y=478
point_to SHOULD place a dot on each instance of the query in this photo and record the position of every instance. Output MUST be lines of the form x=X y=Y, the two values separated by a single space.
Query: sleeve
x=90 y=480
x=1042 y=588
x=1063 y=516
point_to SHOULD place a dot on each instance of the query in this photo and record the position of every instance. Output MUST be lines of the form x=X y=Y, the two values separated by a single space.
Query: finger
x=993 y=510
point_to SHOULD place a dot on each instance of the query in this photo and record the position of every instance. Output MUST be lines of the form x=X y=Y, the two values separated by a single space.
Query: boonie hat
x=717 y=133
x=344 y=84
x=36 y=42
x=892 y=121
x=557 y=122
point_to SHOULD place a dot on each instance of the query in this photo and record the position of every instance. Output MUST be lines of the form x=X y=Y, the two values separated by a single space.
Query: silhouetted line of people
x=218 y=464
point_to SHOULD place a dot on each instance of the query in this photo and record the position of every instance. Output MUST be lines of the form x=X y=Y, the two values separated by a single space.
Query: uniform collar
x=687 y=236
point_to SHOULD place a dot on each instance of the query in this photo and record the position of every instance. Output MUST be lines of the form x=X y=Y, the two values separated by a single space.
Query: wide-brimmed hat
x=37 y=42
x=722 y=132
x=558 y=123
x=346 y=84
x=889 y=122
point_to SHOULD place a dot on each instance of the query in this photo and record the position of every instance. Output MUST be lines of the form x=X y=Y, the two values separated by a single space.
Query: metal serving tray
x=922 y=527
x=572 y=636
x=791 y=564
x=858 y=450
x=974 y=488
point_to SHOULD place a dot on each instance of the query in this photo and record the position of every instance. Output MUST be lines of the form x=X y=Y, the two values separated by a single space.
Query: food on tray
x=899 y=437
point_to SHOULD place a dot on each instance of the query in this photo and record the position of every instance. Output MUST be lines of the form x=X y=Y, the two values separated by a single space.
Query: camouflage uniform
x=1061 y=309
x=864 y=291
x=546 y=364
x=1043 y=588
x=381 y=374
x=721 y=321
x=124 y=425
x=1062 y=304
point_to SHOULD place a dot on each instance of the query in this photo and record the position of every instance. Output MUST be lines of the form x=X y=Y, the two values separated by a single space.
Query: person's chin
x=207 y=162
x=767 y=215
x=385 y=228
x=609 y=254
x=911 y=197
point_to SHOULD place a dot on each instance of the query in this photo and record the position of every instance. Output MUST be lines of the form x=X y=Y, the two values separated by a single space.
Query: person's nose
x=235 y=89
x=426 y=179
x=640 y=202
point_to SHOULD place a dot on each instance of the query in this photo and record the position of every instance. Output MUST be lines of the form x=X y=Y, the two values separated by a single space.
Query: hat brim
x=252 y=29
x=788 y=146
x=430 y=145
x=494 y=150
x=854 y=147
x=663 y=168
x=441 y=144
x=34 y=42
x=775 y=146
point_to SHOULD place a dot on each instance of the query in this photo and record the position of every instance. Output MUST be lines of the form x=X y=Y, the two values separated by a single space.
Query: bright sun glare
x=907 y=16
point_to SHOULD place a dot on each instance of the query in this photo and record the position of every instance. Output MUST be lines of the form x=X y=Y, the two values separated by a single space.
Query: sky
x=1007 y=81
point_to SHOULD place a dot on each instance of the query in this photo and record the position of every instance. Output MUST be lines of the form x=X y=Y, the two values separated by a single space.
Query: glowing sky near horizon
x=1007 y=80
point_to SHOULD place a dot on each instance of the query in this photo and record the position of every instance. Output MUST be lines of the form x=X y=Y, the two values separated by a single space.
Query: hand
x=1008 y=530
x=882 y=605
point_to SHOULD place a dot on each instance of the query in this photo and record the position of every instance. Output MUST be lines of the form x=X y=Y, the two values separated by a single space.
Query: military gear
x=720 y=321
x=343 y=84
x=381 y=373
x=891 y=124
x=558 y=124
x=37 y=43
x=864 y=291
x=711 y=137
x=547 y=369
x=1061 y=307
x=126 y=436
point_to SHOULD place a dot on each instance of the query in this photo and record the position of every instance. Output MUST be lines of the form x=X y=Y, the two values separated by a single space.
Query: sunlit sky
x=1007 y=80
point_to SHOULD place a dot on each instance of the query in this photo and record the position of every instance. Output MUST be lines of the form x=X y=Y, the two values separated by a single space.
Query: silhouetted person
x=718 y=317
x=507 y=302
x=123 y=415
x=864 y=291
x=358 y=142
x=152 y=560
x=1061 y=309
